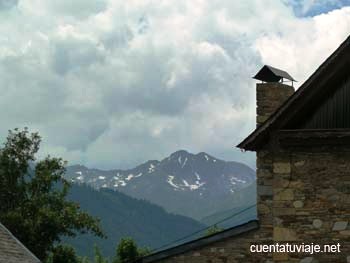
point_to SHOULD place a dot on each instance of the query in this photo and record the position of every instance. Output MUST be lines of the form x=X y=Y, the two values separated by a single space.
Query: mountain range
x=193 y=185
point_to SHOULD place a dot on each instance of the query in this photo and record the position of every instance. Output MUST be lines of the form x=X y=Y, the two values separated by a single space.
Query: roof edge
x=20 y=243
x=203 y=241
x=248 y=143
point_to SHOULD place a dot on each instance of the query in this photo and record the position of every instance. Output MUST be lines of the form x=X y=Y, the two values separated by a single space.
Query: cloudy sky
x=110 y=84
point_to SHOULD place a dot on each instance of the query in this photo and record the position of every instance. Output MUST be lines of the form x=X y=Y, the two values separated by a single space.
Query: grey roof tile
x=12 y=250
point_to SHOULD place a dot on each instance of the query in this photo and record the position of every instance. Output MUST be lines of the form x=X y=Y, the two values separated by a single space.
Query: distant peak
x=180 y=153
x=202 y=154
x=205 y=156
x=184 y=153
x=79 y=166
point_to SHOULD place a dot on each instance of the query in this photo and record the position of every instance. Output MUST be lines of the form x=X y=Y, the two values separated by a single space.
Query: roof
x=309 y=91
x=271 y=74
x=12 y=250
x=207 y=240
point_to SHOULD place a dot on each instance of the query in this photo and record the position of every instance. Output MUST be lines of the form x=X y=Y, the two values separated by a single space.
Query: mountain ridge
x=194 y=185
x=123 y=216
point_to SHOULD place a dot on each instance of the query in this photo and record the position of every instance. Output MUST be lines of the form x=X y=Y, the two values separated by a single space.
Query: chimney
x=270 y=95
x=272 y=92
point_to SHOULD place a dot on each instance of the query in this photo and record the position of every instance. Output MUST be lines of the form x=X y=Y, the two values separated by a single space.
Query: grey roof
x=204 y=241
x=271 y=74
x=12 y=250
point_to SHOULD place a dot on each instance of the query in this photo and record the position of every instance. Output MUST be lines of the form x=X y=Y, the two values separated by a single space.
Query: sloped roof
x=12 y=250
x=309 y=91
x=198 y=243
x=268 y=73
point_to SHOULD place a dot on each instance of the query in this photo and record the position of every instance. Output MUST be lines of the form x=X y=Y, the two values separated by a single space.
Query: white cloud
x=114 y=83
x=306 y=43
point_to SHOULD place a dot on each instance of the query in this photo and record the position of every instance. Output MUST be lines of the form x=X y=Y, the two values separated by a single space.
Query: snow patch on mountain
x=138 y=175
x=196 y=186
x=119 y=183
x=233 y=178
x=171 y=181
x=185 y=183
x=129 y=177
x=183 y=165
x=151 y=168
x=197 y=176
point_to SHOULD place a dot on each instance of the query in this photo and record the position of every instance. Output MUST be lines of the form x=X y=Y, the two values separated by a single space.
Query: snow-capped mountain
x=195 y=185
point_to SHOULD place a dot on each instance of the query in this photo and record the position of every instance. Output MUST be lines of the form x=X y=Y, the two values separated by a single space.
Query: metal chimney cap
x=271 y=74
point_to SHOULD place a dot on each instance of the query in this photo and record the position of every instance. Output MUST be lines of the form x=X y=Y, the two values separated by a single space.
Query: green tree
x=143 y=251
x=63 y=254
x=33 y=196
x=66 y=254
x=98 y=256
x=127 y=251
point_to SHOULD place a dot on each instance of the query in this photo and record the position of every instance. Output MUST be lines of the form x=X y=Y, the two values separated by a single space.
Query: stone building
x=302 y=143
x=12 y=250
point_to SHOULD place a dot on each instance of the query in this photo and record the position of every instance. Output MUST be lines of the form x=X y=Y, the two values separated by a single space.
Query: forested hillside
x=123 y=216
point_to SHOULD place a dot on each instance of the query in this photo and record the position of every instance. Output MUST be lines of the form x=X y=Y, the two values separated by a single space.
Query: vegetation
x=35 y=208
x=124 y=216
x=98 y=256
x=33 y=199
x=127 y=251
x=63 y=254
x=213 y=230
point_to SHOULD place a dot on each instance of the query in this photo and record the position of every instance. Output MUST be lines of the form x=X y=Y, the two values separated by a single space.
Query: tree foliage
x=33 y=197
x=127 y=251
x=98 y=256
x=213 y=230
x=63 y=254
x=66 y=254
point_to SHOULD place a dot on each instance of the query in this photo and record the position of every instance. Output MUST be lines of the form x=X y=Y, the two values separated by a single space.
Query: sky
x=111 y=84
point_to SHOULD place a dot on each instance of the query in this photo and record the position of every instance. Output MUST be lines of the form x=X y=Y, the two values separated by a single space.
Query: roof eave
x=251 y=142
x=195 y=244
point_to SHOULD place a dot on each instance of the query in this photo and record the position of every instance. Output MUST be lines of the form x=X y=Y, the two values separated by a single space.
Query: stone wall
x=311 y=202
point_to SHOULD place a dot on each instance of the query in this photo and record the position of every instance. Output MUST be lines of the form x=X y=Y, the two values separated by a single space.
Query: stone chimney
x=272 y=92
x=269 y=97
